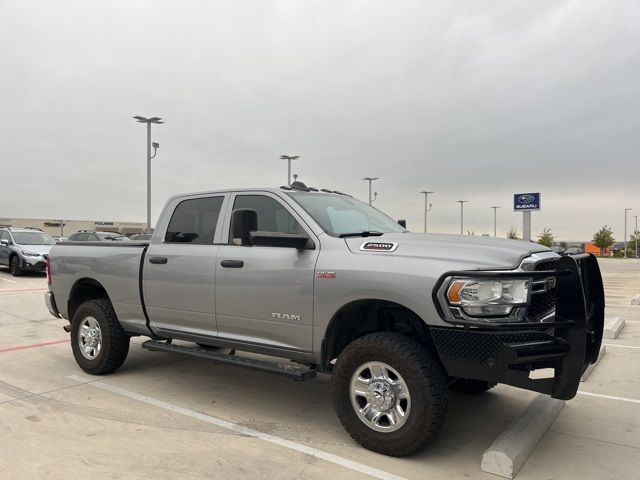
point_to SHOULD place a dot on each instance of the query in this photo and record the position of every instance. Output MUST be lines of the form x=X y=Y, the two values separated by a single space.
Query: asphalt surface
x=165 y=416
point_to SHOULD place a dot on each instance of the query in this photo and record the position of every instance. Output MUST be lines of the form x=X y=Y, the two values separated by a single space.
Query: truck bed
x=115 y=265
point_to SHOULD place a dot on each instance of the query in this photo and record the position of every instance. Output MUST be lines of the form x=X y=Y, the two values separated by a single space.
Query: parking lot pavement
x=165 y=416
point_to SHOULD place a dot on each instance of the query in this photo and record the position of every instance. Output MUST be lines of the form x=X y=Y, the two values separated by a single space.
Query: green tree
x=512 y=234
x=563 y=245
x=546 y=238
x=603 y=238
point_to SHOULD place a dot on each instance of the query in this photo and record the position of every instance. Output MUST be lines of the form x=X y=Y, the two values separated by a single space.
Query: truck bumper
x=50 y=301
x=567 y=343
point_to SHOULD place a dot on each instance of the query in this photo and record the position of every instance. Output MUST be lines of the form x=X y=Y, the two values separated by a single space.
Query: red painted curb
x=33 y=345
x=24 y=290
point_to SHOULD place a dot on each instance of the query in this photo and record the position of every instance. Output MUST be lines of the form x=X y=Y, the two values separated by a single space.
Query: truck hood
x=465 y=250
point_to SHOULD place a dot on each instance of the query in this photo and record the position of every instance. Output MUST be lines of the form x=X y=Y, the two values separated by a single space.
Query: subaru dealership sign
x=526 y=201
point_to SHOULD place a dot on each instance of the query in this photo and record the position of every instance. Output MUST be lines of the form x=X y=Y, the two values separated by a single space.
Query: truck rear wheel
x=470 y=386
x=390 y=393
x=99 y=343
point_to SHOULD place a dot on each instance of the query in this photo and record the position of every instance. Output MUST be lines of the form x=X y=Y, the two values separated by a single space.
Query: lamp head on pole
x=141 y=119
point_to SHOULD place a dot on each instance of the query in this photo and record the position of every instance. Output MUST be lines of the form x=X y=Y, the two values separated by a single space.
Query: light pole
x=495 y=217
x=427 y=207
x=155 y=145
x=462 y=202
x=288 y=158
x=635 y=234
x=625 y=231
x=375 y=194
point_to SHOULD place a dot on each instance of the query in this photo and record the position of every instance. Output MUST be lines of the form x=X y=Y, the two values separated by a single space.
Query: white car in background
x=24 y=249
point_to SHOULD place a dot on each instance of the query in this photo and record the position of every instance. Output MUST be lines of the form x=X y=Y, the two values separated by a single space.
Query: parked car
x=336 y=286
x=141 y=236
x=24 y=249
x=58 y=238
x=93 y=236
x=573 y=251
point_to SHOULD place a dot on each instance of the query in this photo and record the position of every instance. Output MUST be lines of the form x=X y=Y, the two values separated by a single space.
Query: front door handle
x=159 y=260
x=232 y=263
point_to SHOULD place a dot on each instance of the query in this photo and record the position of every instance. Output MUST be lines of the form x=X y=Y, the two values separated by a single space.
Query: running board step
x=296 y=372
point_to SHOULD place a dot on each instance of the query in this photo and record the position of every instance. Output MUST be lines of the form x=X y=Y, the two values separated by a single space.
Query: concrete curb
x=590 y=368
x=510 y=450
x=612 y=327
x=636 y=299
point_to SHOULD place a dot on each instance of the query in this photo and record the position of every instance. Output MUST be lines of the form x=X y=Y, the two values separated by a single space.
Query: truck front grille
x=543 y=303
x=546 y=265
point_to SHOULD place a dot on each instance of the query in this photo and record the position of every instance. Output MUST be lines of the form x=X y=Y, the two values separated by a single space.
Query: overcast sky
x=476 y=100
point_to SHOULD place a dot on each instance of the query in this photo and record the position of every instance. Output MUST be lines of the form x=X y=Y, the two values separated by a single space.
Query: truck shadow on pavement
x=303 y=411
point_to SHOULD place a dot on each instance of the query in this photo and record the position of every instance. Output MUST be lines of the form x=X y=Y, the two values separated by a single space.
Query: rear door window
x=194 y=221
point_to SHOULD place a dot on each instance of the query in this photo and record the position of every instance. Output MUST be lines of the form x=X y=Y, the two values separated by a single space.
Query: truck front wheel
x=390 y=393
x=99 y=343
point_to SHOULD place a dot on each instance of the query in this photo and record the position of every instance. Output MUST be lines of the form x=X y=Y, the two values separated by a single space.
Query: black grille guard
x=505 y=352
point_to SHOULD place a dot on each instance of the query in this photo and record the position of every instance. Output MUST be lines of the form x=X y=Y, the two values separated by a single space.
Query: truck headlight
x=27 y=253
x=488 y=297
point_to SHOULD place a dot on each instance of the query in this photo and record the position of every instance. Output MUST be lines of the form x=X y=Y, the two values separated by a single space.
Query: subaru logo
x=526 y=199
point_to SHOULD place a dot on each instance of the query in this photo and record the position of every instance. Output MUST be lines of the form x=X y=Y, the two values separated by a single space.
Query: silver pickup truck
x=332 y=285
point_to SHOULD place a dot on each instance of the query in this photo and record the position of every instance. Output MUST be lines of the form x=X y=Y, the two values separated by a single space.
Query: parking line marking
x=7 y=280
x=314 y=452
x=621 y=346
x=33 y=345
x=610 y=397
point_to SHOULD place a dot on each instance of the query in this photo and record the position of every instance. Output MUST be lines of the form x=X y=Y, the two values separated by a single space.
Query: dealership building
x=64 y=228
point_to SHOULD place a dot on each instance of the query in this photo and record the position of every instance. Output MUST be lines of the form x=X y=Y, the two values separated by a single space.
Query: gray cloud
x=476 y=100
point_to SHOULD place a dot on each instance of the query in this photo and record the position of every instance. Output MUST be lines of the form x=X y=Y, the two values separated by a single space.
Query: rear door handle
x=160 y=260
x=232 y=263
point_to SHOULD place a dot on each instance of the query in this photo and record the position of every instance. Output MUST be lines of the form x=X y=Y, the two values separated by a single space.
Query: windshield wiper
x=366 y=233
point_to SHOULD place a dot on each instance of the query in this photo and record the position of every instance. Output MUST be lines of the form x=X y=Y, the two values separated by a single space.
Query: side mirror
x=243 y=221
x=4 y=241
x=402 y=223
x=277 y=239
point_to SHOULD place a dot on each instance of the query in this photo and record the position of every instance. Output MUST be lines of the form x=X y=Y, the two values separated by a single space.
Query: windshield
x=339 y=214
x=33 y=238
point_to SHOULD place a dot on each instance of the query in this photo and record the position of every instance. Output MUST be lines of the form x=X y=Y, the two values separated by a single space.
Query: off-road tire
x=15 y=267
x=115 y=342
x=473 y=387
x=424 y=376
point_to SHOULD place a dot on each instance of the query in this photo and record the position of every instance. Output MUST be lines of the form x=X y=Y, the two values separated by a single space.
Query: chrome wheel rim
x=380 y=397
x=90 y=338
